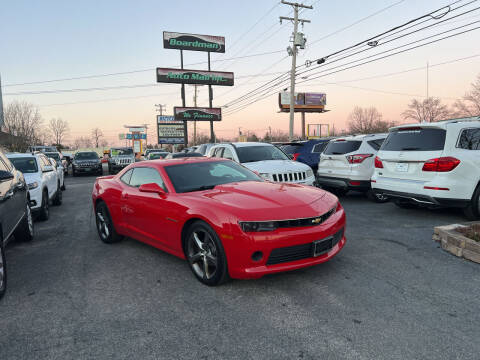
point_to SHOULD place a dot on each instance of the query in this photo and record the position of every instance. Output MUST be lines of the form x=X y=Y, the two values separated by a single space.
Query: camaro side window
x=145 y=175
x=126 y=177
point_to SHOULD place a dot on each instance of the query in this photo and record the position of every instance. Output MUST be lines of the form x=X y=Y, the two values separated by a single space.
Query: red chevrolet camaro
x=225 y=220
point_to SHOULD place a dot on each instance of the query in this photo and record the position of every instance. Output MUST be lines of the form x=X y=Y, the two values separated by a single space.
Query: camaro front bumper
x=285 y=249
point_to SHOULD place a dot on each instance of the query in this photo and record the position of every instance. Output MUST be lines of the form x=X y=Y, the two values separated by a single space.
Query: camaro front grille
x=313 y=221
x=298 y=252
x=290 y=176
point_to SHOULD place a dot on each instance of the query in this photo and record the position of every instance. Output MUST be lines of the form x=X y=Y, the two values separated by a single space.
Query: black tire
x=378 y=198
x=74 y=173
x=24 y=231
x=45 y=208
x=105 y=227
x=57 y=200
x=203 y=246
x=472 y=211
x=63 y=188
x=404 y=204
x=3 y=270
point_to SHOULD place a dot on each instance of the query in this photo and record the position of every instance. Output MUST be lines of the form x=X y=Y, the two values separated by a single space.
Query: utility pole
x=298 y=40
x=161 y=108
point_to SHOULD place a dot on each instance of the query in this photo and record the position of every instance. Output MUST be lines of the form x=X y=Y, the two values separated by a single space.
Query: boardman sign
x=197 y=114
x=179 y=76
x=195 y=42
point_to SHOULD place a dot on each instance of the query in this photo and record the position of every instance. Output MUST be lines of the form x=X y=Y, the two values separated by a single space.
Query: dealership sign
x=195 y=42
x=197 y=114
x=163 y=119
x=306 y=102
x=171 y=133
x=184 y=76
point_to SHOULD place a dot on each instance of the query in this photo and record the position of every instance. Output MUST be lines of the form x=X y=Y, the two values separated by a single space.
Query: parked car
x=120 y=157
x=204 y=148
x=59 y=159
x=432 y=164
x=225 y=220
x=307 y=152
x=348 y=163
x=15 y=215
x=60 y=172
x=42 y=181
x=267 y=160
x=157 y=155
x=42 y=148
x=182 y=155
x=86 y=162
x=151 y=151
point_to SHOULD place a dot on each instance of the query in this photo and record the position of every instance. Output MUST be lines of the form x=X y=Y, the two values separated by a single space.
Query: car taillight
x=358 y=158
x=295 y=156
x=378 y=163
x=443 y=164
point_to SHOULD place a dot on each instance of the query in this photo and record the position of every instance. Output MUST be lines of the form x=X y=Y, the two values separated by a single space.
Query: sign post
x=195 y=42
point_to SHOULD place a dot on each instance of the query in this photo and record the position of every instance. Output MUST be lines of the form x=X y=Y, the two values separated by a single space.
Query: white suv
x=42 y=180
x=267 y=160
x=432 y=164
x=348 y=163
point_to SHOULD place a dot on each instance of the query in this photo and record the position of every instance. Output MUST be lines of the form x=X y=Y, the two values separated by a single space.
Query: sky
x=50 y=39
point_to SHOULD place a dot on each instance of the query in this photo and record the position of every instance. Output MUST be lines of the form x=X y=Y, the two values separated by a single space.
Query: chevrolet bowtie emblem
x=316 y=221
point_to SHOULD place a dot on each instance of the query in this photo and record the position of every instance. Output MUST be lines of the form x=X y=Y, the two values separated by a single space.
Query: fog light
x=257 y=256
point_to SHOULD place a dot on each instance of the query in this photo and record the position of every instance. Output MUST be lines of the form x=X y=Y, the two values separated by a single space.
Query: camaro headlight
x=33 y=185
x=253 y=226
x=309 y=172
x=265 y=175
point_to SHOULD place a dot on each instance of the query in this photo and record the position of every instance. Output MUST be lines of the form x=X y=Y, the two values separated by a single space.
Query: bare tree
x=58 y=129
x=367 y=121
x=428 y=110
x=82 y=142
x=23 y=120
x=97 y=134
x=470 y=103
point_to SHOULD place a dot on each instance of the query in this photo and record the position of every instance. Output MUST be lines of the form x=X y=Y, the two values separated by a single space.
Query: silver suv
x=348 y=164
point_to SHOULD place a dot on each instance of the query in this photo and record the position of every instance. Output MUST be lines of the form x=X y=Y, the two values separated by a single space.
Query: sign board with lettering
x=197 y=114
x=304 y=102
x=163 y=119
x=171 y=133
x=195 y=42
x=203 y=77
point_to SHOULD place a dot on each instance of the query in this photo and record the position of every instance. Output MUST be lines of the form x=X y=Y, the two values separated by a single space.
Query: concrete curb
x=456 y=243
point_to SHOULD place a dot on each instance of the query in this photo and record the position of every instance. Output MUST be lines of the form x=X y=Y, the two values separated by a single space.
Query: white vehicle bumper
x=441 y=190
x=35 y=198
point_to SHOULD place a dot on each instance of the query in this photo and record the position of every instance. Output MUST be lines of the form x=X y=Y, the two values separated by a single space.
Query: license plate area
x=402 y=167
x=323 y=246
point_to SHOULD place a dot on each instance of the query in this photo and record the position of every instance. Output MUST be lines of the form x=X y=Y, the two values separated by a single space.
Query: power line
x=260 y=90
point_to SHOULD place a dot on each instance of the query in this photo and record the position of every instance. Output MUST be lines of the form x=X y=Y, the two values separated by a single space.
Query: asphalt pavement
x=392 y=293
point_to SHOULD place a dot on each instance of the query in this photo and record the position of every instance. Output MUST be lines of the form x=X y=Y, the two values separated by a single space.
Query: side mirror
x=48 y=168
x=5 y=175
x=152 y=188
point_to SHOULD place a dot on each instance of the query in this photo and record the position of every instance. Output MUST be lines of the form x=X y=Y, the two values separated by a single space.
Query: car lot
x=390 y=294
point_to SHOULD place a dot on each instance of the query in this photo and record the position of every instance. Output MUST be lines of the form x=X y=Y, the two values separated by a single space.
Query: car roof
x=20 y=155
x=475 y=120
x=167 y=162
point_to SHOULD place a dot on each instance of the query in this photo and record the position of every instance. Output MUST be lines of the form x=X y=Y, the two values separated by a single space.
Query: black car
x=182 y=155
x=15 y=215
x=86 y=162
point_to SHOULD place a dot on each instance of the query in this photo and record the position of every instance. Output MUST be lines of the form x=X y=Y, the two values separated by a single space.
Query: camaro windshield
x=206 y=175
x=259 y=153
x=86 y=156
x=25 y=165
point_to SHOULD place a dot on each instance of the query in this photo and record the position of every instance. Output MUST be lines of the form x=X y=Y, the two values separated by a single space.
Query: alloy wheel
x=202 y=254
x=102 y=224
x=381 y=197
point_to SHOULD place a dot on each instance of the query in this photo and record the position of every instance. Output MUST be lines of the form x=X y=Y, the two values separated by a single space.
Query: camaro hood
x=260 y=201
x=276 y=166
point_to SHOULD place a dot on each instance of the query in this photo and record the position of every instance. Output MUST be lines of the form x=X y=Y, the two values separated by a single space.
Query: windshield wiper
x=410 y=148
